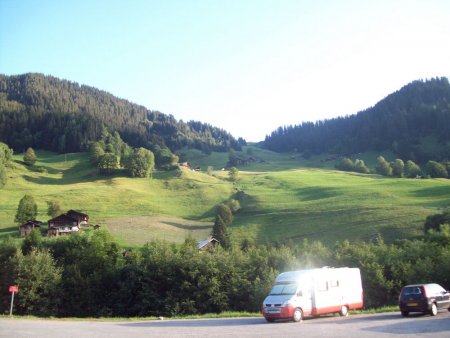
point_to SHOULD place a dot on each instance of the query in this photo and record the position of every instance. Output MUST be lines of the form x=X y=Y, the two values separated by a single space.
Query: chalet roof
x=62 y=218
x=31 y=223
x=205 y=242
x=76 y=213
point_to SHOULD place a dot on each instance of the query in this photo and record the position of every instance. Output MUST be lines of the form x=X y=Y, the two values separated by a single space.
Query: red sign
x=13 y=288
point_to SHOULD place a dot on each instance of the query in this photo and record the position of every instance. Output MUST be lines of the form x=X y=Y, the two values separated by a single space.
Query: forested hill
x=413 y=122
x=45 y=112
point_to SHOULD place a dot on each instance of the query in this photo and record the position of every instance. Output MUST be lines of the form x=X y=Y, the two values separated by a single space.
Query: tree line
x=44 y=112
x=110 y=154
x=397 y=168
x=412 y=122
x=90 y=275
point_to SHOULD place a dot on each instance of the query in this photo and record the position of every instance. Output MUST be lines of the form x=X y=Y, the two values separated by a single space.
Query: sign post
x=13 y=289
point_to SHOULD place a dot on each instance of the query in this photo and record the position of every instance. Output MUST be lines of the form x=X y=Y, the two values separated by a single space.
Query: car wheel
x=405 y=313
x=270 y=320
x=433 y=310
x=298 y=315
x=344 y=311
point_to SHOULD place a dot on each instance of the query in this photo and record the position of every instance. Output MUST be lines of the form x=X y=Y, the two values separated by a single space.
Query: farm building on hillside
x=66 y=223
x=185 y=165
x=207 y=244
x=79 y=216
x=26 y=228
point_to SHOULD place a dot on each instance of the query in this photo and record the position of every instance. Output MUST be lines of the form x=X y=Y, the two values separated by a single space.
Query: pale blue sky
x=248 y=66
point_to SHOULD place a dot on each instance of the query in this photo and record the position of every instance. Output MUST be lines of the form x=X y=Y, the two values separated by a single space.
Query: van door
x=305 y=300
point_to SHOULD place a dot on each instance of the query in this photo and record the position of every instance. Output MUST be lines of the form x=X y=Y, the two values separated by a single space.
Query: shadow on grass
x=188 y=227
x=316 y=193
x=440 y=191
x=79 y=173
x=9 y=232
x=164 y=175
x=40 y=168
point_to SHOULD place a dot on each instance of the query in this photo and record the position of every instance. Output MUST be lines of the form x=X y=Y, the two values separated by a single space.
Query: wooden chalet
x=79 y=216
x=207 y=244
x=185 y=165
x=67 y=223
x=26 y=228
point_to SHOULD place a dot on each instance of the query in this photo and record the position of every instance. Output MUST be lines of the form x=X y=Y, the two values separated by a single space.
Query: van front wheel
x=344 y=311
x=298 y=315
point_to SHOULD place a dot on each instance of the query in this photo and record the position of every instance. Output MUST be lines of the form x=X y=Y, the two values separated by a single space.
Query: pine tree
x=40 y=279
x=233 y=174
x=3 y=176
x=225 y=213
x=220 y=233
x=32 y=242
x=29 y=157
x=383 y=167
x=412 y=170
x=361 y=167
x=345 y=164
x=436 y=170
x=5 y=153
x=397 y=168
x=53 y=208
x=108 y=163
x=27 y=210
x=95 y=152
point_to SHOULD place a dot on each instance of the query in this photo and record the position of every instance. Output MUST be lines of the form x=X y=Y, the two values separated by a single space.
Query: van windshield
x=283 y=289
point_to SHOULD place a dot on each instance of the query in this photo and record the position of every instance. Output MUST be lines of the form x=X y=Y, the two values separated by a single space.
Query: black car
x=426 y=298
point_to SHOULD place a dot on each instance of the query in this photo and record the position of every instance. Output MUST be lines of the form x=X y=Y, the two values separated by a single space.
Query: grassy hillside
x=281 y=197
x=266 y=160
x=329 y=205
x=72 y=181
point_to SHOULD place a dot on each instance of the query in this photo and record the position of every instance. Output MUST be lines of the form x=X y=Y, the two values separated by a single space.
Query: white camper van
x=314 y=292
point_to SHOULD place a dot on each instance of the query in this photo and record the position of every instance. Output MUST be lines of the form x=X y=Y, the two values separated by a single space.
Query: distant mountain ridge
x=45 y=112
x=413 y=122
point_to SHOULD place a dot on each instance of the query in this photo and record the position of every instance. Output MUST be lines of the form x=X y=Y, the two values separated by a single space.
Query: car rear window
x=415 y=290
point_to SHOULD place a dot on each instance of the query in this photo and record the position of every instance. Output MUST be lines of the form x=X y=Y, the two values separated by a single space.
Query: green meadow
x=283 y=197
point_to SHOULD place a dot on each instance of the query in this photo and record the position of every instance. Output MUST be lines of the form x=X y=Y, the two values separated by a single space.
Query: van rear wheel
x=298 y=315
x=344 y=311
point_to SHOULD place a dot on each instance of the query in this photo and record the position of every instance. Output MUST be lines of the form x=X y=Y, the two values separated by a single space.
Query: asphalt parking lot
x=355 y=326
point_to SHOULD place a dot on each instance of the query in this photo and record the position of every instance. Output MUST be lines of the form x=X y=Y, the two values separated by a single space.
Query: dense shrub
x=89 y=275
